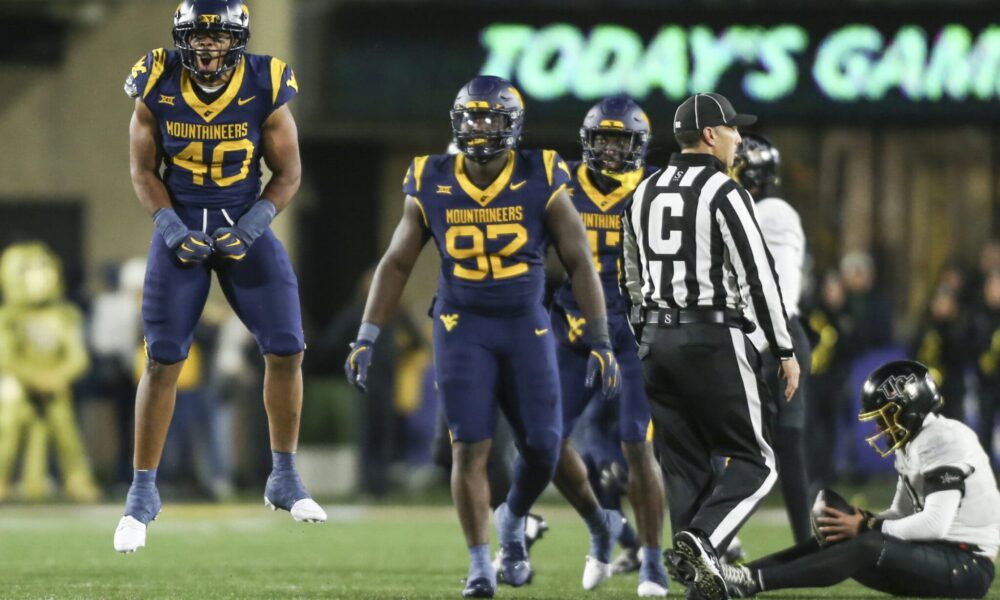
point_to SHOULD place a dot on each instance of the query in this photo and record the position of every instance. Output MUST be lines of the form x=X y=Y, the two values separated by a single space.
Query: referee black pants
x=708 y=400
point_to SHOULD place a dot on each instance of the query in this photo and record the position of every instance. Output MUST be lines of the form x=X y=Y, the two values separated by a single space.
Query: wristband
x=368 y=331
x=170 y=227
x=256 y=220
x=596 y=332
x=870 y=522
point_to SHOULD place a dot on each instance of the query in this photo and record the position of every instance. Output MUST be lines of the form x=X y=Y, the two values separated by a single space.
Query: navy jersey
x=601 y=216
x=211 y=151
x=492 y=241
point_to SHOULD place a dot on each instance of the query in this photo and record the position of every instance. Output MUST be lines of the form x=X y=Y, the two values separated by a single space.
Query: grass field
x=244 y=551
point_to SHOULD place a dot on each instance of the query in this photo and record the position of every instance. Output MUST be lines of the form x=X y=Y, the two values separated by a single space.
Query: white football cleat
x=303 y=511
x=651 y=589
x=306 y=510
x=594 y=573
x=130 y=535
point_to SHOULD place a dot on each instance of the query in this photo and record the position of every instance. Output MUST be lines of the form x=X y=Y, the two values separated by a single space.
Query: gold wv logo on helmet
x=209 y=19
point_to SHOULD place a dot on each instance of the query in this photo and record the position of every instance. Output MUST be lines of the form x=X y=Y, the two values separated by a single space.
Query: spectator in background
x=828 y=407
x=378 y=439
x=42 y=351
x=989 y=262
x=234 y=381
x=869 y=310
x=114 y=330
x=955 y=277
x=986 y=345
x=941 y=344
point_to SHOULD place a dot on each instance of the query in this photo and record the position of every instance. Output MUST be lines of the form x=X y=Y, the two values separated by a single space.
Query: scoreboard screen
x=410 y=58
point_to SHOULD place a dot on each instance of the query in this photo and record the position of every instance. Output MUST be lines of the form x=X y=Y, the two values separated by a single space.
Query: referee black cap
x=708 y=110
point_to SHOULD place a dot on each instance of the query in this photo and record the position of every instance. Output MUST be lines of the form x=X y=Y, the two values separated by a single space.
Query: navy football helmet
x=897 y=396
x=487 y=117
x=198 y=16
x=615 y=116
x=757 y=163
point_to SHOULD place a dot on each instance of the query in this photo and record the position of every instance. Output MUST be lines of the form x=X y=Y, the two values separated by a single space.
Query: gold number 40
x=192 y=158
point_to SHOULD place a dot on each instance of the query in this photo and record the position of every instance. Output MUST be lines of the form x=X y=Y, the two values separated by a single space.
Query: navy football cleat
x=515 y=568
x=480 y=587
x=284 y=490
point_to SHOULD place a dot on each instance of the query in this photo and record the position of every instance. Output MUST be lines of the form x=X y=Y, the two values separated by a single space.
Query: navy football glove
x=194 y=248
x=190 y=246
x=358 y=361
x=232 y=243
x=229 y=243
x=603 y=367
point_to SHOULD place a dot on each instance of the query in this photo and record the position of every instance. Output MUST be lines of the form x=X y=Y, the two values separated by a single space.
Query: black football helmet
x=897 y=396
x=757 y=163
x=487 y=117
x=230 y=16
x=616 y=115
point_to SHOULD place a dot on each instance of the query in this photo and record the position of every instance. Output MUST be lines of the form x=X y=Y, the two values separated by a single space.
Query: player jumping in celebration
x=492 y=210
x=940 y=536
x=615 y=136
x=211 y=111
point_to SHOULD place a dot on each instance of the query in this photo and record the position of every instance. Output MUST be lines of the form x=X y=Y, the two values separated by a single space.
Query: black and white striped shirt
x=691 y=239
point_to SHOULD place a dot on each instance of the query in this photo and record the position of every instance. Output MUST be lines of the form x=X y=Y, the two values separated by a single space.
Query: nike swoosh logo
x=242 y=101
x=541 y=331
x=516 y=186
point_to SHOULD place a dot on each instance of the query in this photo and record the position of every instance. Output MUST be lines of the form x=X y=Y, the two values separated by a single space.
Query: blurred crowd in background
x=68 y=371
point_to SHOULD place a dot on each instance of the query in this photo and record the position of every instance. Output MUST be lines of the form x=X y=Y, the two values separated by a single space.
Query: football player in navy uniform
x=210 y=111
x=615 y=137
x=941 y=534
x=492 y=210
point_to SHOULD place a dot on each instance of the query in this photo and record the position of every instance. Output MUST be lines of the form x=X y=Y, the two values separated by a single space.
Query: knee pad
x=282 y=344
x=166 y=352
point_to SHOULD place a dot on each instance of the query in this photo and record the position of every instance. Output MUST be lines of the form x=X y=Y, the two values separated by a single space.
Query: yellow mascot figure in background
x=42 y=352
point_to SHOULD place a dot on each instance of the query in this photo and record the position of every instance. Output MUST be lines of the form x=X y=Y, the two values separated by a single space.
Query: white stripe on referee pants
x=743 y=510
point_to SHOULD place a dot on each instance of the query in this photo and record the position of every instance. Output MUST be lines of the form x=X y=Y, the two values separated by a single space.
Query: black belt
x=675 y=317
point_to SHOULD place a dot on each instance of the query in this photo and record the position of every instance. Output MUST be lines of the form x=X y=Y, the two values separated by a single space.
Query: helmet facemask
x=890 y=434
x=612 y=158
x=191 y=57
x=482 y=133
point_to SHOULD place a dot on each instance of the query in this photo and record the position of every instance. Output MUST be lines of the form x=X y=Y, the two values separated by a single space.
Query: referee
x=694 y=256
